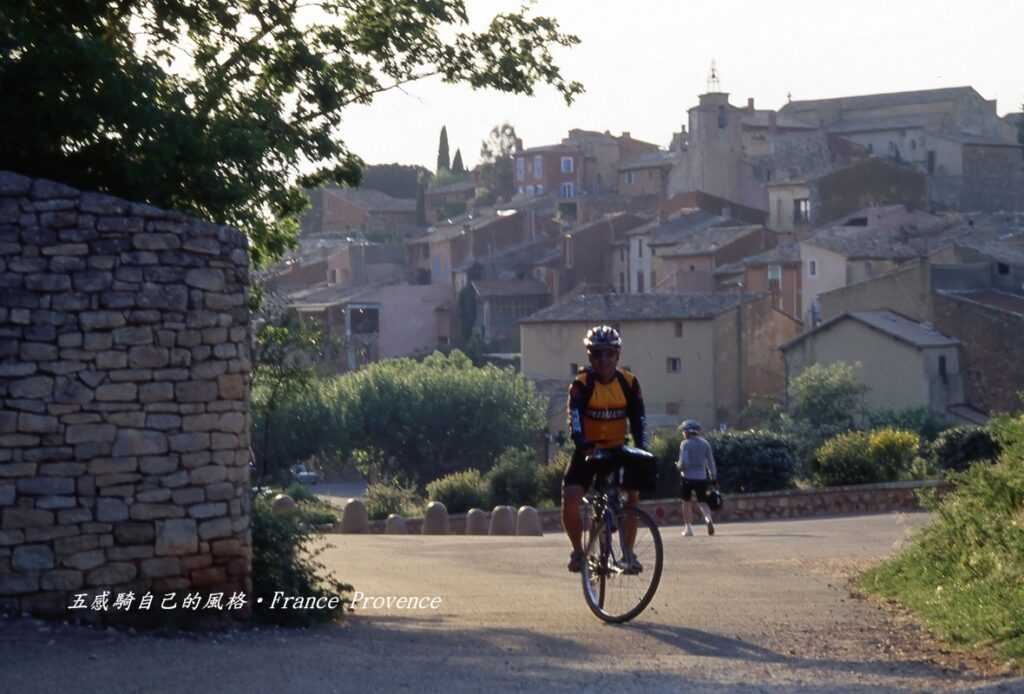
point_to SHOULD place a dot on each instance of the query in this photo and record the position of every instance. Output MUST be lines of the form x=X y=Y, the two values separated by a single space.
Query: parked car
x=304 y=475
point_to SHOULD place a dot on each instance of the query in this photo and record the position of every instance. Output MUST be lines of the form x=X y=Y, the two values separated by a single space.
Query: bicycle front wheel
x=615 y=588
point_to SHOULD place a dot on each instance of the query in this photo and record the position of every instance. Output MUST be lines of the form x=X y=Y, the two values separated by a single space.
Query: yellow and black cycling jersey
x=598 y=412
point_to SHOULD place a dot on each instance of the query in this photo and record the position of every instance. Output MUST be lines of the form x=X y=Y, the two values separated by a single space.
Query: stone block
x=185 y=443
x=188 y=496
x=32 y=558
x=208 y=510
x=111 y=510
x=91 y=433
x=176 y=537
x=56 y=502
x=46 y=486
x=84 y=561
x=209 y=279
x=134 y=533
x=37 y=424
x=101 y=320
x=435 y=519
x=161 y=567
x=62 y=579
x=158 y=465
x=134 y=335
x=221 y=491
x=216 y=528
x=18 y=584
x=195 y=391
x=35 y=387
x=130 y=442
x=528 y=521
x=153 y=496
x=7 y=494
x=117 y=392
x=14 y=518
x=503 y=521
x=477 y=522
x=141 y=511
x=113 y=574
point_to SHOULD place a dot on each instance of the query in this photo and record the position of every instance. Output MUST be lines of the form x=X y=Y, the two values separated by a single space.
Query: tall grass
x=964 y=573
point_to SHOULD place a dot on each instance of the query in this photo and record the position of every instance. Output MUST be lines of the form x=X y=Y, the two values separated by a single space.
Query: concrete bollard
x=476 y=522
x=528 y=521
x=282 y=505
x=503 y=521
x=395 y=525
x=354 y=518
x=435 y=519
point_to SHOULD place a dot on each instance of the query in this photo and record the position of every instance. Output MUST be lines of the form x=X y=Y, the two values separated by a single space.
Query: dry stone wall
x=124 y=367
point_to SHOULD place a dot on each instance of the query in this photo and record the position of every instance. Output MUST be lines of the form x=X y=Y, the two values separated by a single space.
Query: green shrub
x=300 y=492
x=284 y=558
x=459 y=491
x=958 y=447
x=513 y=479
x=963 y=573
x=665 y=448
x=845 y=459
x=753 y=461
x=549 y=479
x=383 y=499
x=893 y=452
x=917 y=419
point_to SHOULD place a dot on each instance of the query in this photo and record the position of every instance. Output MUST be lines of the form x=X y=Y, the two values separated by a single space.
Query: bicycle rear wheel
x=614 y=593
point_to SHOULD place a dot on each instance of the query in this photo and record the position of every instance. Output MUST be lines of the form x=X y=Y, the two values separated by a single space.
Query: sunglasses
x=604 y=354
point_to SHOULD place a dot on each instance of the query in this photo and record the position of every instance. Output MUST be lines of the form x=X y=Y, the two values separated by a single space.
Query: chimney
x=625 y=134
x=750 y=103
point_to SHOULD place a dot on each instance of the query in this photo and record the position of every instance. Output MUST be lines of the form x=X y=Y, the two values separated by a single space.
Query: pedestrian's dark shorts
x=700 y=487
x=636 y=476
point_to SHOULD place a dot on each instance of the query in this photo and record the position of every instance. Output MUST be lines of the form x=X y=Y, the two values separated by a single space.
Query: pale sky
x=643 y=63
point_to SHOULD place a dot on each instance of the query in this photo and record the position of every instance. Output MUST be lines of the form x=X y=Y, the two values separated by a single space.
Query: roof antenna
x=714 y=83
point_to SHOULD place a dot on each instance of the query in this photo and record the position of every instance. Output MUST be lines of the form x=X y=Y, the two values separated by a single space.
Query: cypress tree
x=443 y=163
x=457 y=166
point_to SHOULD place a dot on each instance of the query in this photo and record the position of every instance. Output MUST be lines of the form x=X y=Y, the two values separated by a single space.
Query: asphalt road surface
x=759 y=607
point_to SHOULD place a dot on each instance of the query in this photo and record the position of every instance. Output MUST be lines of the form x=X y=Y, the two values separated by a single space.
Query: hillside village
x=884 y=229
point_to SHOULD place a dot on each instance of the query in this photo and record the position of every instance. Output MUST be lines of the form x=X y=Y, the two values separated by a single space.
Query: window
x=931 y=161
x=801 y=211
x=1003 y=269
x=673 y=365
x=639 y=248
x=520 y=170
x=538 y=166
x=679 y=328
x=628 y=177
x=943 y=374
x=774 y=273
x=639 y=282
x=567 y=165
x=334 y=277
x=721 y=117
x=574 y=369
x=442 y=340
x=567 y=190
x=812 y=268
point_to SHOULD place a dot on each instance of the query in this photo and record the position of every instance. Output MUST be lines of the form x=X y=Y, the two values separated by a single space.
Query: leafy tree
x=496 y=160
x=423 y=420
x=443 y=162
x=283 y=368
x=217 y=108
x=457 y=166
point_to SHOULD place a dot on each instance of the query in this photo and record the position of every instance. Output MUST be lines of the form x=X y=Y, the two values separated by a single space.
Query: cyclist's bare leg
x=572 y=496
x=629 y=524
x=705 y=510
x=687 y=512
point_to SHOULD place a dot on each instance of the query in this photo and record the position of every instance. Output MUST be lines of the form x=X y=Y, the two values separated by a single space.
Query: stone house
x=603 y=153
x=447 y=201
x=359 y=211
x=797 y=206
x=646 y=175
x=953 y=135
x=905 y=364
x=360 y=262
x=688 y=264
x=550 y=170
x=587 y=252
x=776 y=272
x=978 y=303
x=696 y=355
x=378 y=321
x=501 y=304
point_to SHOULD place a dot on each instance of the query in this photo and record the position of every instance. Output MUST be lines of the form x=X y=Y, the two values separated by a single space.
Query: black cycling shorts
x=635 y=476
x=700 y=487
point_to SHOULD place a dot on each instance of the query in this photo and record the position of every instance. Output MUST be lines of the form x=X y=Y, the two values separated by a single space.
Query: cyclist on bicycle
x=602 y=398
x=697 y=467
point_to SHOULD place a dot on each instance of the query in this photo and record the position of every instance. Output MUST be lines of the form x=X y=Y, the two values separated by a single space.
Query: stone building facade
x=124 y=381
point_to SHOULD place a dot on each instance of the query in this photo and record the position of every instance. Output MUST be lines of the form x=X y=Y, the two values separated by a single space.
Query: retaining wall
x=124 y=432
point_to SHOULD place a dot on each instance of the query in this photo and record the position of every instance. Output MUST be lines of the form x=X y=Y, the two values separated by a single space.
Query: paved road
x=760 y=607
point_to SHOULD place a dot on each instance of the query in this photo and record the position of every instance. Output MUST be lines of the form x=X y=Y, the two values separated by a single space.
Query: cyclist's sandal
x=575 y=562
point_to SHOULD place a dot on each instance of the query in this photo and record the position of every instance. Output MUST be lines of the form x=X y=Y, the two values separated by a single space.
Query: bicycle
x=616 y=588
